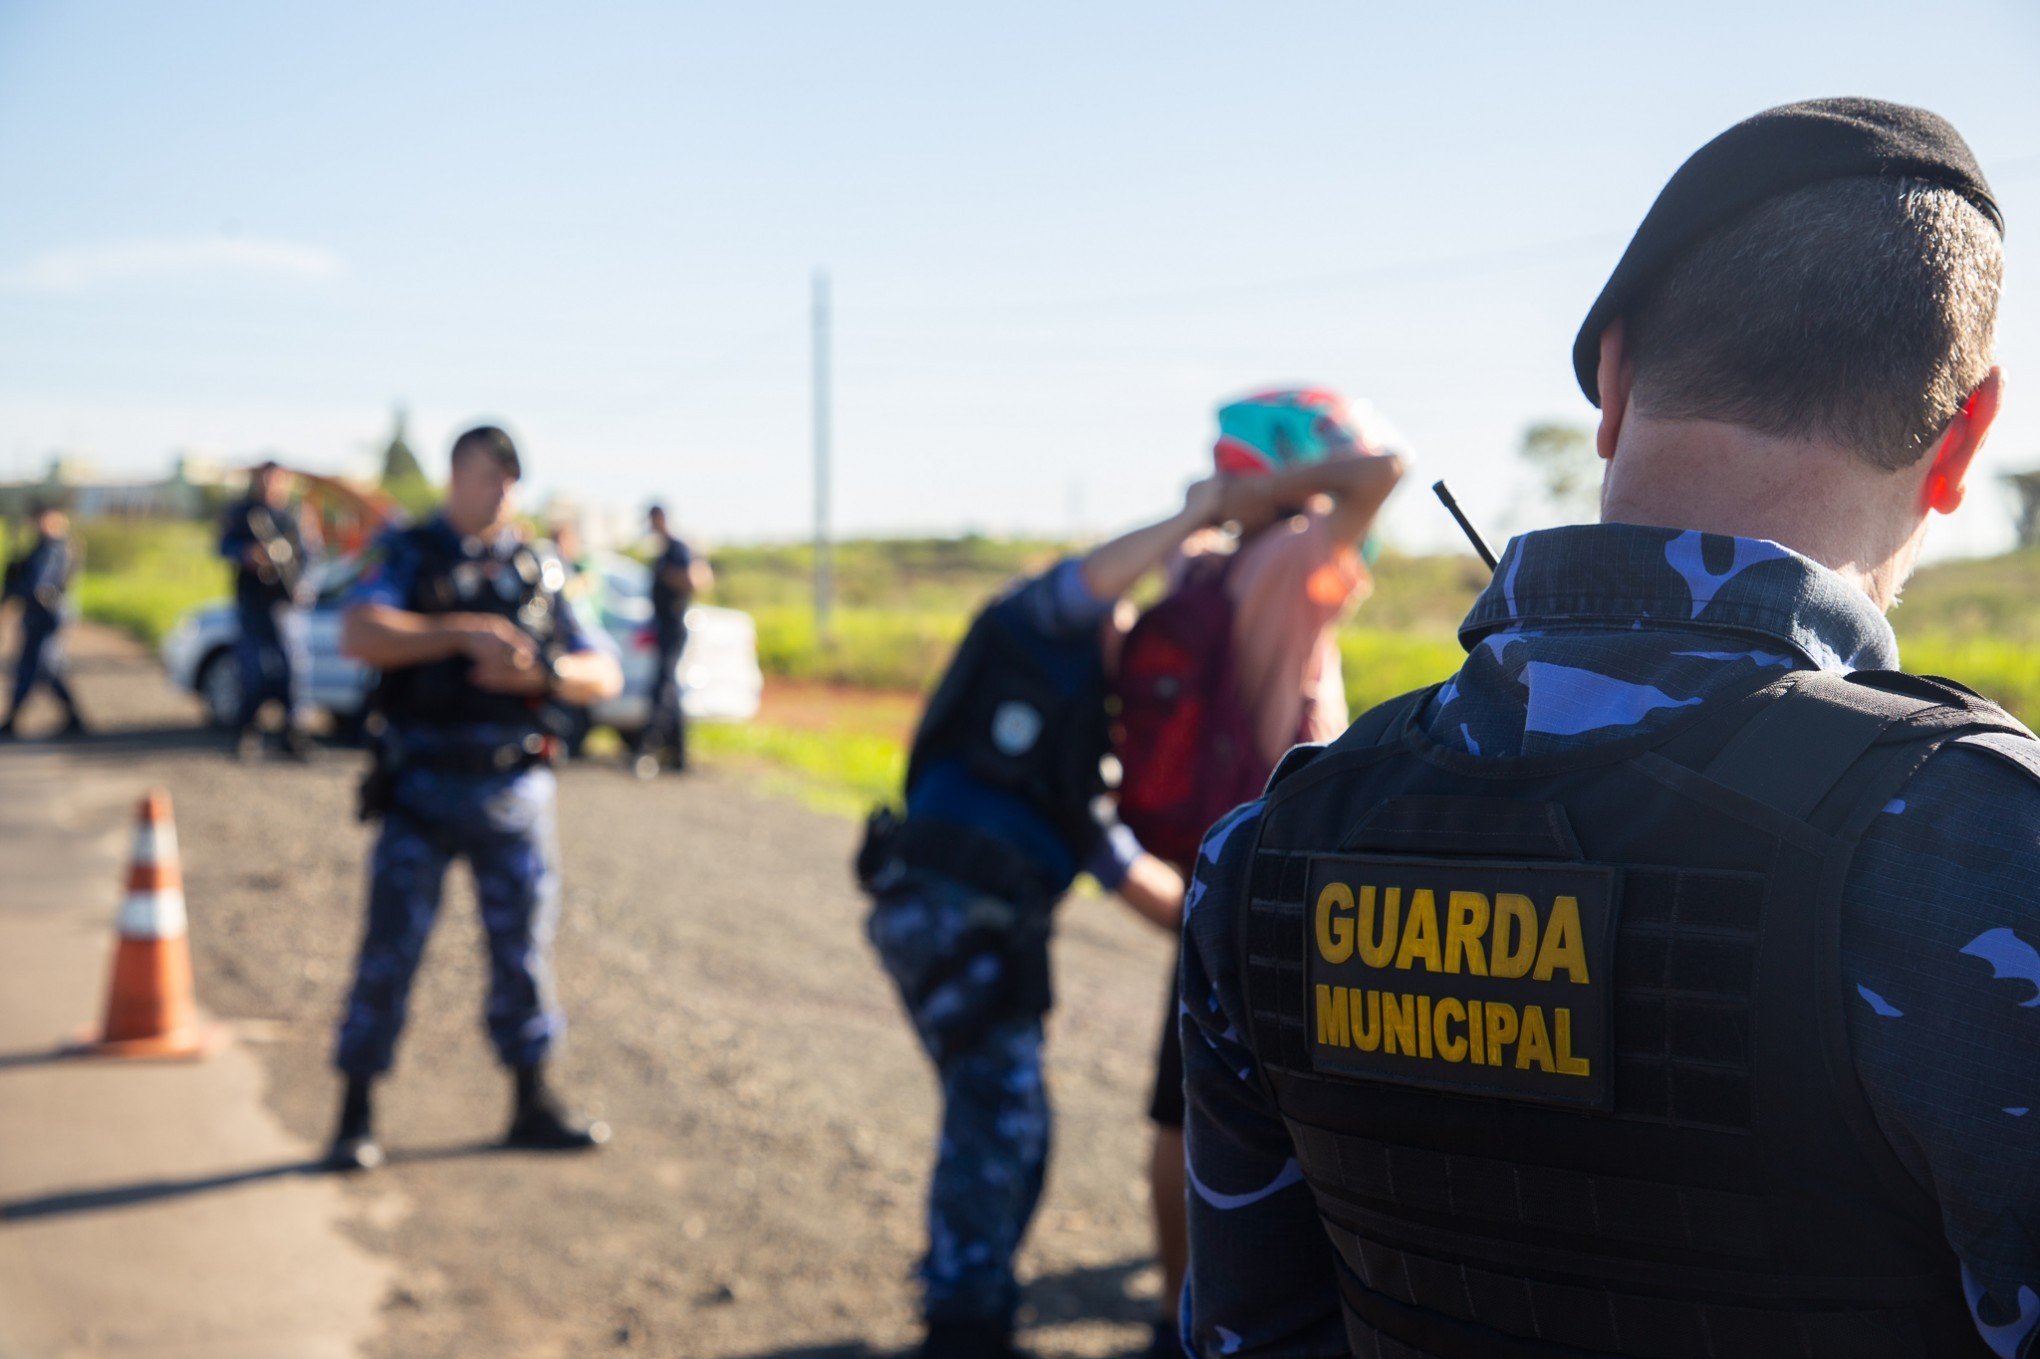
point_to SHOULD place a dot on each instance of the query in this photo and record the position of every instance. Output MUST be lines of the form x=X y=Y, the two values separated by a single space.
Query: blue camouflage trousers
x=950 y=950
x=502 y=824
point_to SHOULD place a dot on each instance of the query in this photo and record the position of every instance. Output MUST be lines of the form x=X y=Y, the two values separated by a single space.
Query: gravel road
x=773 y=1117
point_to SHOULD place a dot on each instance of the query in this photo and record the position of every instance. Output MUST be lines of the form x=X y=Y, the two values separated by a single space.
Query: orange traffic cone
x=149 y=1008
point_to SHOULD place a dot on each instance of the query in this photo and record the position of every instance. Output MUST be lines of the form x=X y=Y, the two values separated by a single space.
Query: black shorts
x=1165 y=1105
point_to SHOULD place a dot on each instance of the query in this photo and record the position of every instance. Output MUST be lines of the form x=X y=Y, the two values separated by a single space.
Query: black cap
x=1760 y=158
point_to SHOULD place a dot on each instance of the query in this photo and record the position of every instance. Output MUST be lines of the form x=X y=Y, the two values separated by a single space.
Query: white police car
x=719 y=670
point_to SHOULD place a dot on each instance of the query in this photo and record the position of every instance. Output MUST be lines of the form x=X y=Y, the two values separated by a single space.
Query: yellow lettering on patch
x=1534 y=1046
x=1562 y=946
x=1466 y=920
x=1501 y=1029
x=1451 y=1047
x=1331 y=1016
x=1476 y=1032
x=1420 y=935
x=1377 y=939
x=1366 y=1020
x=1568 y=1065
x=1335 y=932
x=1423 y=1026
x=1398 y=1024
x=1515 y=942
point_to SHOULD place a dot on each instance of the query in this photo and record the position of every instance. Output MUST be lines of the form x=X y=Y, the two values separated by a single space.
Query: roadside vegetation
x=903 y=603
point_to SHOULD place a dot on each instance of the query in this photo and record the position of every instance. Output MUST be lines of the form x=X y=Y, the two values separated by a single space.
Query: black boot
x=354 y=1144
x=986 y=1339
x=297 y=743
x=540 y=1124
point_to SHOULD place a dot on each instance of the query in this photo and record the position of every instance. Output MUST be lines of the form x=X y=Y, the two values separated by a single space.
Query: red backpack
x=1186 y=743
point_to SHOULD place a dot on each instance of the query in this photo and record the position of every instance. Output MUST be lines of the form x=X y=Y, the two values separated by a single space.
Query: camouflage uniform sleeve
x=389 y=568
x=1941 y=980
x=1261 y=1275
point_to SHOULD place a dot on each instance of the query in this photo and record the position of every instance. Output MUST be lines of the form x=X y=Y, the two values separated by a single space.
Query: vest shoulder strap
x=1383 y=723
x=1816 y=725
x=2021 y=753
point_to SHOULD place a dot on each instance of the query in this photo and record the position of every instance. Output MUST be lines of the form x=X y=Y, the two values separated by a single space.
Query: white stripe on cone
x=153 y=915
x=155 y=844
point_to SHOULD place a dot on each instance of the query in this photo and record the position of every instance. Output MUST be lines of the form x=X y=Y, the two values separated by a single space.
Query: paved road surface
x=774 y=1120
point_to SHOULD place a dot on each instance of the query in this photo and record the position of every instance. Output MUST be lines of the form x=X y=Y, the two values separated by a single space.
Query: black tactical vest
x=1025 y=714
x=1560 y=1039
x=448 y=581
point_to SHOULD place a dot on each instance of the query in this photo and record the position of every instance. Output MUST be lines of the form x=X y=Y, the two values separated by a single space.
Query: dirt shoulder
x=774 y=1118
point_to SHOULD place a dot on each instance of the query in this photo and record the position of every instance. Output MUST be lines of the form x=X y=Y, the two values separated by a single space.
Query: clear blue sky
x=1058 y=232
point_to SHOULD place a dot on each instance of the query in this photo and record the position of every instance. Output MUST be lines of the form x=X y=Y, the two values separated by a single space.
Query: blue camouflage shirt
x=390 y=573
x=1593 y=633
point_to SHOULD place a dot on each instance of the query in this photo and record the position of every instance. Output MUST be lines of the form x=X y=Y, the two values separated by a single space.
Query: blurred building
x=196 y=485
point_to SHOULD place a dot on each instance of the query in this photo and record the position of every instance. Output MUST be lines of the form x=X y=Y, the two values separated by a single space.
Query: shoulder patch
x=2020 y=752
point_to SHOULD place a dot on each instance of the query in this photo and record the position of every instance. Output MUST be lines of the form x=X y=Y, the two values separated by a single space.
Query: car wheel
x=219 y=688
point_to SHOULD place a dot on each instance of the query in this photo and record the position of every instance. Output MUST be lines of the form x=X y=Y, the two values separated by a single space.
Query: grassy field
x=903 y=604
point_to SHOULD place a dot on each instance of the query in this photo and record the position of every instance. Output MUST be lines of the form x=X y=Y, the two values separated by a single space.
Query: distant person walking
x=40 y=579
x=677 y=576
x=260 y=536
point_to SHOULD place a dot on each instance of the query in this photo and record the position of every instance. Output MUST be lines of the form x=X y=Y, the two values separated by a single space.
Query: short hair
x=654 y=508
x=492 y=441
x=1862 y=311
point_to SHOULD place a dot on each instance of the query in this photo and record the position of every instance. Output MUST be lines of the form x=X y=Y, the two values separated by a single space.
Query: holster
x=377 y=791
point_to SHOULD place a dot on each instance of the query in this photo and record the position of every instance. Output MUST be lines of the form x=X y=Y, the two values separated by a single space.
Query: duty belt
x=481 y=757
x=972 y=858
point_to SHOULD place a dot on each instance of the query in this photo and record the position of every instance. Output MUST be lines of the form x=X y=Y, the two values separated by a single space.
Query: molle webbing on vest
x=1735 y=1198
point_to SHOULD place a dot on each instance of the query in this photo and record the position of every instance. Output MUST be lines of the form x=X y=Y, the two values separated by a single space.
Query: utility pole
x=824 y=579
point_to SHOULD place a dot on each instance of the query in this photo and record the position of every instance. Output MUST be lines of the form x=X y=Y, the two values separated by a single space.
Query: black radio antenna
x=1465 y=525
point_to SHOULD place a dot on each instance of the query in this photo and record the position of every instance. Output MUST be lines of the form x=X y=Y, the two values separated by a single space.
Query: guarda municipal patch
x=1482 y=977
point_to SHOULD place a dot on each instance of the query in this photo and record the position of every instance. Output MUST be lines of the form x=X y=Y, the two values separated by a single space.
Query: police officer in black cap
x=1664 y=982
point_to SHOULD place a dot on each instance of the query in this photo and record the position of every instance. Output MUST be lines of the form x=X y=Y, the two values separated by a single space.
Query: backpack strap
x=1384 y=723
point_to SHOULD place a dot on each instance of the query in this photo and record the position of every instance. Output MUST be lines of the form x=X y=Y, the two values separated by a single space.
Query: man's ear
x=1614 y=378
x=1948 y=474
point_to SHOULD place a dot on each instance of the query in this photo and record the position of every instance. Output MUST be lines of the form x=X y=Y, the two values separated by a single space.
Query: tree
x=402 y=477
x=399 y=462
x=1562 y=457
x=2026 y=486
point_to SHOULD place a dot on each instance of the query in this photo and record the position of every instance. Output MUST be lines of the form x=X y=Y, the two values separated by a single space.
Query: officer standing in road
x=260 y=536
x=677 y=576
x=475 y=643
x=1663 y=983
x=1002 y=811
x=40 y=580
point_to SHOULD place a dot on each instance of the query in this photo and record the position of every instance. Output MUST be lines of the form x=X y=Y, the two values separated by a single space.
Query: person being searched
x=1237 y=663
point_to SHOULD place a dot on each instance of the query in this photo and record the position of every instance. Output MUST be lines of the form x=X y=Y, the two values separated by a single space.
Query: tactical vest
x=1560 y=1039
x=516 y=587
x=1025 y=714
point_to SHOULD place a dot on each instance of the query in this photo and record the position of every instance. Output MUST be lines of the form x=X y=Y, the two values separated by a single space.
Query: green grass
x=837 y=771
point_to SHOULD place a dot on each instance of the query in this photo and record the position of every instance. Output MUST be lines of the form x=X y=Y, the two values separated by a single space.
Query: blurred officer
x=474 y=642
x=260 y=536
x=39 y=580
x=677 y=576
x=1002 y=792
x=1664 y=982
